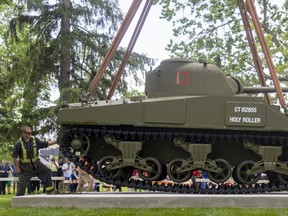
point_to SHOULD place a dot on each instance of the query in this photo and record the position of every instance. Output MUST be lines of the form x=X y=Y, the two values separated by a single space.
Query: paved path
x=151 y=200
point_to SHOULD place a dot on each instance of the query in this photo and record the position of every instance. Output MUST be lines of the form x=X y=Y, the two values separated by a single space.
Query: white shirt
x=68 y=172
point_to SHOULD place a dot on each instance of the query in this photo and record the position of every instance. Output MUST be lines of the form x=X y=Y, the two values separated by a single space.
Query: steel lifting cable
x=119 y=36
x=253 y=49
x=130 y=47
x=252 y=11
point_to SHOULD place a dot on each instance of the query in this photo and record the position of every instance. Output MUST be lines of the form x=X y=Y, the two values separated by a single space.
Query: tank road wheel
x=156 y=170
x=175 y=173
x=103 y=166
x=81 y=145
x=224 y=172
x=281 y=177
x=243 y=174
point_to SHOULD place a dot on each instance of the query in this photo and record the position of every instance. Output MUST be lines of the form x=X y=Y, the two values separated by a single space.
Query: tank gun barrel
x=265 y=89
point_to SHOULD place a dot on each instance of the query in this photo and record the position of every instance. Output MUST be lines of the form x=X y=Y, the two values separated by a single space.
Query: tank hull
x=199 y=112
x=206 y=115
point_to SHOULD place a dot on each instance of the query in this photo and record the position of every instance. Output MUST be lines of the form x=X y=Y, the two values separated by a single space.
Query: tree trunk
x=65 y=45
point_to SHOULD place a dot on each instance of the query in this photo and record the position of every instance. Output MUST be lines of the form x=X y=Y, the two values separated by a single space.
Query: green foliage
x=6 y=2
x=59 y=46
x=210 y=30
x=133 y=93
x=71 y=95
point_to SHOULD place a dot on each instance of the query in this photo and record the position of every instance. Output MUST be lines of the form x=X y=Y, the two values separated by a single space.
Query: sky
x=155 y=34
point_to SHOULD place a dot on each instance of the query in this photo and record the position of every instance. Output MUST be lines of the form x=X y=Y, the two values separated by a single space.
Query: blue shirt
x=6 y=170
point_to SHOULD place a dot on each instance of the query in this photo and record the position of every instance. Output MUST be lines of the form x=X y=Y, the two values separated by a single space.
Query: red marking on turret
x=182 y=77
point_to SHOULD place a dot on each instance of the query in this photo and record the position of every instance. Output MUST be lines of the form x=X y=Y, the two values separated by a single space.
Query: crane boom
x=246 y=8
x=119 y=36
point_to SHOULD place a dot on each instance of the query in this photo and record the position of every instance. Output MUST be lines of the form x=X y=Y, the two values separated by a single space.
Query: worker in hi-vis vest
x=27 y=163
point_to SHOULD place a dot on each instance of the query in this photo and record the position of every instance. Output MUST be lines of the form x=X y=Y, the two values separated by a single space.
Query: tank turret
x=182 y=77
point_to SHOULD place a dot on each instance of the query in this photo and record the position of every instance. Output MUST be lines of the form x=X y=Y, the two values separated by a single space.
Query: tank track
x=90 y=166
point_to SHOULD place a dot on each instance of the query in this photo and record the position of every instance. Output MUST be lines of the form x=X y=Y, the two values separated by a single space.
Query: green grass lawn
x=7 y=210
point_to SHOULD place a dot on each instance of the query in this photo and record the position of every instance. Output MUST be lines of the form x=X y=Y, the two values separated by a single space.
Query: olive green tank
x=193 y=117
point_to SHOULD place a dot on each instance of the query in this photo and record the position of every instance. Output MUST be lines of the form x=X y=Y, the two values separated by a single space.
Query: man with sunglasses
x=27 y=163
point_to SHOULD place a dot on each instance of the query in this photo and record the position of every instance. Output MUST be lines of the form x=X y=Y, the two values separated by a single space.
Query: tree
x=212 y=30
x=8 y=99
x=56 y=44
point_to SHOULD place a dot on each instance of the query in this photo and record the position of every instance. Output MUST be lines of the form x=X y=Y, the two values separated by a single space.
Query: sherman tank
x=193 y=117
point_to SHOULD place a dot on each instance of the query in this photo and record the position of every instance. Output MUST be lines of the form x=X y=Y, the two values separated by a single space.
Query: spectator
x=67 y=169
x=167 y=181
x=196 y=174
x=14 y=174
x=96 y=185
x=189 y=183
x=110 y=187
x=54 y=166
x=4 y=172
x=60 y=163
x=60 y=172
x=73 y=180
x=27 y=162
x=135 y=176
x=9 y=175
x=204 y=177
x=84 y=178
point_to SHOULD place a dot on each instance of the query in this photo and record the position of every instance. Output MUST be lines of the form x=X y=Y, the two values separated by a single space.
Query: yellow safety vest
x=24 y=158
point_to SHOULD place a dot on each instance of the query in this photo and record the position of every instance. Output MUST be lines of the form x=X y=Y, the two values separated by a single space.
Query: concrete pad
x=151 y=200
